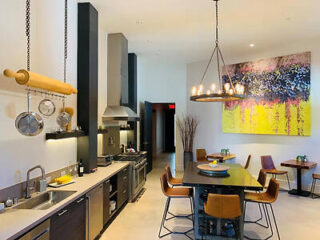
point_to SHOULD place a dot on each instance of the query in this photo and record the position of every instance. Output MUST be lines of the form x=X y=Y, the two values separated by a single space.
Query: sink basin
x=45 y=200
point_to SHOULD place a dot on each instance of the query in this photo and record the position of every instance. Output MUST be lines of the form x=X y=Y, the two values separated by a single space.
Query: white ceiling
x=184 y=29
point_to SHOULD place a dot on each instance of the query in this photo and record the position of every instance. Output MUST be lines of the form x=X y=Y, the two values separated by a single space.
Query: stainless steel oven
x=139 y=177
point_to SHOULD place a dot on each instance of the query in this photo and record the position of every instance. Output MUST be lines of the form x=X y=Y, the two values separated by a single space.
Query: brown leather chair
x=315 y=177
x=170 y=193
x=201 y=155
x=268 y=166
x=248 y=162
x=266 y=199
x=224 y=207
x=262 y=178
x=172 y=180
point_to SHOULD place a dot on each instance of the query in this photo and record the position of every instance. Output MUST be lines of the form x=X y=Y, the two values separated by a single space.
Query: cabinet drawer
x=123 y=196
x=123 y=179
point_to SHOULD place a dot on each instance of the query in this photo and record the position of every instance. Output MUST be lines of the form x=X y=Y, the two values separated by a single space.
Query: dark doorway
x=158 y=130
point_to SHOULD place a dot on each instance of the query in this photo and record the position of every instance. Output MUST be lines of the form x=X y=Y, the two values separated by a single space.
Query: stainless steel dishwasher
x=94 y=212
x=40 y=232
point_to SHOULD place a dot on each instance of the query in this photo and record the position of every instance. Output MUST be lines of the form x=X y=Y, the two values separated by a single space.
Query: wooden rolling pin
x=35 y=80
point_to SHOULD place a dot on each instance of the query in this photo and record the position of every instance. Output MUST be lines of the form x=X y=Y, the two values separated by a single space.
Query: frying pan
x=29 y=123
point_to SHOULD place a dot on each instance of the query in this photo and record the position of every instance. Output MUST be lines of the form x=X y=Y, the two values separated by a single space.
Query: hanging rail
x=35 y=80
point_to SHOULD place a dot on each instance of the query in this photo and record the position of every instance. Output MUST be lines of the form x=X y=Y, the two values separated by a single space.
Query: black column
x=132 y=93
x=87 y=84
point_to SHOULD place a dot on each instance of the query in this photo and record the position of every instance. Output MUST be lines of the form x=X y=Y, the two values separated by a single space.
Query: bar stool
x=224 y=207
x=174 y=193
x=262 y=178
x=315 y=177
x=269 y=168
x=266 y=199
x=174 y=182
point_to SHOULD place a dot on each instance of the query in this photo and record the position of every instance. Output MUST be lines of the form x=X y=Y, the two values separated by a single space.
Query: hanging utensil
x=63 y=118
x=47 y=107
x=29 y=123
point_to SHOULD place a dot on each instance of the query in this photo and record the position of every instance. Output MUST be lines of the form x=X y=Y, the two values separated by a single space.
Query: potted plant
x=187 y=127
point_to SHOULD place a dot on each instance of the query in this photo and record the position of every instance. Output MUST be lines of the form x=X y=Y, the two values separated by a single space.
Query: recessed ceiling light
x=251 y=45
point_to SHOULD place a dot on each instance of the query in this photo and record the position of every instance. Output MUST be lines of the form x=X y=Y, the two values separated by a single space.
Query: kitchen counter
x=16 y=222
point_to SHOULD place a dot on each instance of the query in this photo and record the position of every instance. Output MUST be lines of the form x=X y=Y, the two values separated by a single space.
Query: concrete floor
x=297 y=217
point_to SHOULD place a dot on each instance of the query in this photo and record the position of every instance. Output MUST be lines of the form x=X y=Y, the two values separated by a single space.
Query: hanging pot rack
x=38 y=81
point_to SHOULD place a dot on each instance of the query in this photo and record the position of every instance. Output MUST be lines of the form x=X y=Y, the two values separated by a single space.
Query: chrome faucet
x=42 y=180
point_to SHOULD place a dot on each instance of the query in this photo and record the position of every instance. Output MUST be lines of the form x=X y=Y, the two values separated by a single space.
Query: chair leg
x=259 y=219
x=192 y=211
x=312 y=188
x=288 y=181
x=275 y=222
x=164 y=218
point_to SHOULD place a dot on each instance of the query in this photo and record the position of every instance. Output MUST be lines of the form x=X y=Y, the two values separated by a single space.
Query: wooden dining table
x=238 y=180
x=299 y=165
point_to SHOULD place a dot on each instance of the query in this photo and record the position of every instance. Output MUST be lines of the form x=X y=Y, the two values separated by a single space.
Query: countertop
x=16 y=222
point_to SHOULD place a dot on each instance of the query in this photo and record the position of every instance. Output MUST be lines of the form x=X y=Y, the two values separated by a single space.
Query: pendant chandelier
x=224 y=93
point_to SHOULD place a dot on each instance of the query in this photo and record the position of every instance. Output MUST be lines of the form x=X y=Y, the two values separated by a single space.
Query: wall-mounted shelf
x=126 y=128
x=102 y=131
x=61 y=135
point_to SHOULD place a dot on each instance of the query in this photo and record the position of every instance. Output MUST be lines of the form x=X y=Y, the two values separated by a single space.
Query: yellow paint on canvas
x=268 y=119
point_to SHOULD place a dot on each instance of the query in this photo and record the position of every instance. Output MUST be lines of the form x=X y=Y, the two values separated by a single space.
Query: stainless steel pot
x=63 y=118
x=29 y=123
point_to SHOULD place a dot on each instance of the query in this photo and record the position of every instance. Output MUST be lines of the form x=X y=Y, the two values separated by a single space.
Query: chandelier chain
x=28 y=15
x=217 y=23
x=65 y=40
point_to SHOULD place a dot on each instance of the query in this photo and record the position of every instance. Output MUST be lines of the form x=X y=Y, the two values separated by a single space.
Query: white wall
x=19 y=153
x=210 y=136
x=159 y=81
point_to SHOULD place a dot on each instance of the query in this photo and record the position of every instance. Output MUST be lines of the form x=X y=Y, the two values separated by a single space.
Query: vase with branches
x=187 y=126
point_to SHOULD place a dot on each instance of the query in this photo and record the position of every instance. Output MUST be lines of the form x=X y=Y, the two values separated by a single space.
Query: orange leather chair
x=269 y=168
x=172 y=180
x=201 y=155
x=170 y=193
x=266 y=199
x=224 y=207
x=262 y=178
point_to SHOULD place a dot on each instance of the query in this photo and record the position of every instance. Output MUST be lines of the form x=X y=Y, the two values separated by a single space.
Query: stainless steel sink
x=45 y=200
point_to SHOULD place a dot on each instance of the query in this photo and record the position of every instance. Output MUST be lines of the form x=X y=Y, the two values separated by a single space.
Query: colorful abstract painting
x=278 y=97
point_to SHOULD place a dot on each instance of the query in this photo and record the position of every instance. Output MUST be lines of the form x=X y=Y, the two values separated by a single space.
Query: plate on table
x=217 y=171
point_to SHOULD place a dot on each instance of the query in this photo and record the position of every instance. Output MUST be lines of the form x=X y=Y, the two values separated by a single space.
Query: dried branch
x=187 y=128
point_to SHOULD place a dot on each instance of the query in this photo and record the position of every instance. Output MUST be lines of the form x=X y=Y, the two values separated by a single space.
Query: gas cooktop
x=129 y=156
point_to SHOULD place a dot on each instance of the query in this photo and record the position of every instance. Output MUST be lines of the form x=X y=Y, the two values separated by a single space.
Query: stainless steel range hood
x=119 y=113
x=117 y=87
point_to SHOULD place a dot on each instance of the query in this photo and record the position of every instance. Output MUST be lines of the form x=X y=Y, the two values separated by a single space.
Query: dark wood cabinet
x=70 y=222
x=106 y=201
x=123 y=186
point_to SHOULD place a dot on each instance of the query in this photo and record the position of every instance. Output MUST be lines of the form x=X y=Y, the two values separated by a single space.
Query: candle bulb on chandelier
x=208 y=92
x=194 y=91
x=213 y=87
x=227 y=87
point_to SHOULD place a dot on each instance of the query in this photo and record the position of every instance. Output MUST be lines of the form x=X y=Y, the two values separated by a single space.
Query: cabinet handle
x=80 y=200
x=63 y=212
x=124 y=191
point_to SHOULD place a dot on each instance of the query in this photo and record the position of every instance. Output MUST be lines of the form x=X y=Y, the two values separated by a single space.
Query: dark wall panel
x=88 y=84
